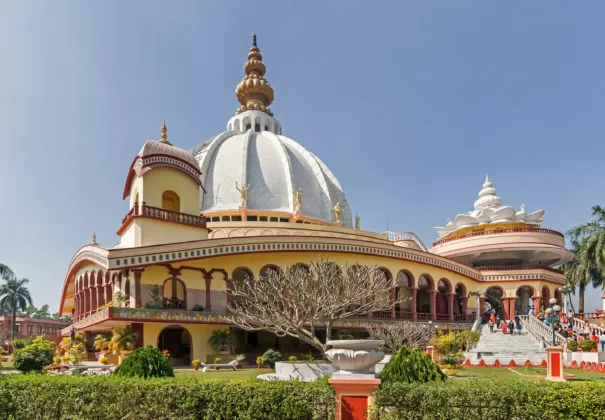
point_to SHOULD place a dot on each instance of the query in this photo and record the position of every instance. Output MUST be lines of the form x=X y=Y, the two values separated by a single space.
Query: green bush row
x=494 y=400
x=63 y=397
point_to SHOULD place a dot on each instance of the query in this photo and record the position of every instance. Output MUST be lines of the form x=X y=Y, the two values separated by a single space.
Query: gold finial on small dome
x=254 y=92
x=94 y=239
x=164 y=133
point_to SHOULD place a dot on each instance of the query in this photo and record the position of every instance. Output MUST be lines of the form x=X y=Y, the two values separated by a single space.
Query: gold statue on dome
x=337 y=212
x=243 y=194
x=298 y=195
x=356 y=222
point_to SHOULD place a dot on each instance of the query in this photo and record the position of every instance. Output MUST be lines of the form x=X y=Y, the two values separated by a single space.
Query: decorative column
x=511 y=302
x=450 y=306
x=481 y=306
x=137 y=286
x=137 y=327
x=464 y=301
x=414 y=296
x=537 y=302
x=555 y=364
x=506 y=306
x=433 y=296
x=208 y=280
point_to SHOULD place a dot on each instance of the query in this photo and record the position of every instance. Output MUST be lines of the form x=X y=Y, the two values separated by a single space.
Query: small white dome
x=274 y=166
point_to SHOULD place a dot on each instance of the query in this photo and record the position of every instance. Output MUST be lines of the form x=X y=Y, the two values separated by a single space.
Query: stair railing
x=579 y=324
x=541 y=331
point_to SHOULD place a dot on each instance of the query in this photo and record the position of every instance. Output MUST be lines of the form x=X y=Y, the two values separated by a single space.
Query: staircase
x=506 y=347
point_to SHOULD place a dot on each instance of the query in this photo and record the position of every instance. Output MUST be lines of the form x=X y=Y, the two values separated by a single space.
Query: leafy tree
x=43 y=312
x=146 y=362
x=33 y=357
x=30 y=311
x=14 y=296
x=411 y=366
x=77 y=353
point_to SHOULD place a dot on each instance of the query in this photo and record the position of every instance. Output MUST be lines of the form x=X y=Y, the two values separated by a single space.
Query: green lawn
x=222 y=374
x=503 y=372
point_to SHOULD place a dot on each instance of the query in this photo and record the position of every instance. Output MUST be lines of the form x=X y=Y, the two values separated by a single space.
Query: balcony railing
x=174 y=304
x=518 y=267
x=158 y=213
x=497 y=231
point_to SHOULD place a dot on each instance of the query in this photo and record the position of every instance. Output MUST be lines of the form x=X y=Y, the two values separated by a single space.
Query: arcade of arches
x=524 y=301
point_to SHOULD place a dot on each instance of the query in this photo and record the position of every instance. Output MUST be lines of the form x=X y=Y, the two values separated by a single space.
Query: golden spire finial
x=164 y=135
x=94 y=239
x=254 y=92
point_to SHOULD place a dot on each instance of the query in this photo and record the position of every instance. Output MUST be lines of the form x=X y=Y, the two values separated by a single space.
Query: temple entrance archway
x=460 y=299
x=177 y=341
x=493 y=300
x=524 y=300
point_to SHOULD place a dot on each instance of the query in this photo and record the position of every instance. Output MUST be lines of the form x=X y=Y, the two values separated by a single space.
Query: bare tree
x=401 y=334
x=298 y=301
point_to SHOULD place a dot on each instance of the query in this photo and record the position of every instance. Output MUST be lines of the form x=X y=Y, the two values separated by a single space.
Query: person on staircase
x=511 y=327
x=602 y=340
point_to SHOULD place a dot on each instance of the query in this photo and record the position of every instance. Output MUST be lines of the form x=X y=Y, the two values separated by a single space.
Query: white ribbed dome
x=274 y=166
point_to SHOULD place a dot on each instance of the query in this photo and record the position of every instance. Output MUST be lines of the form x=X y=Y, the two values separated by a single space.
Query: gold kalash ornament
x=254 y=92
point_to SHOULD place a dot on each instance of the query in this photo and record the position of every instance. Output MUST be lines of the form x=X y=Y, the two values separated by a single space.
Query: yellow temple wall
x=158 y=180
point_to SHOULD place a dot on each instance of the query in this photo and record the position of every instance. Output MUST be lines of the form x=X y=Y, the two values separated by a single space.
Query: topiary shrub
x=587 y=345
x=271 y=356
x=411 y=366
x=145 y=362
x=572 y=345
x=34 y=356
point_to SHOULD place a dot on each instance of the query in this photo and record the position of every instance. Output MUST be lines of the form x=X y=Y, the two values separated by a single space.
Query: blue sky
x=409 y=103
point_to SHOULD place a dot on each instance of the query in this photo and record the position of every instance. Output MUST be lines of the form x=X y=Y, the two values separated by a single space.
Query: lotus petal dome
x=273 y=165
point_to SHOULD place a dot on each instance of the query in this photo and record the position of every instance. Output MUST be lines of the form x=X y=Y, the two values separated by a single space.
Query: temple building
x=251 y=200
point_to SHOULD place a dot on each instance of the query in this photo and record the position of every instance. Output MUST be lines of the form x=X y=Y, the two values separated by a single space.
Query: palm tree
x=580 y=272
x=122 y=339
x=588 y=245
x=14 y=296
x=5 y=272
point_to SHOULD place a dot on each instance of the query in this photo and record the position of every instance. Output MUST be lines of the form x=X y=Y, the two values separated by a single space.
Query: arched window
x=241 y=273
x=171 y=201
x=403 y=291
x=268 y=270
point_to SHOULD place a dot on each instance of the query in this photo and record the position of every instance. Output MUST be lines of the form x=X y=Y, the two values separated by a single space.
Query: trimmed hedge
x=62 y=397
x=494 y=400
